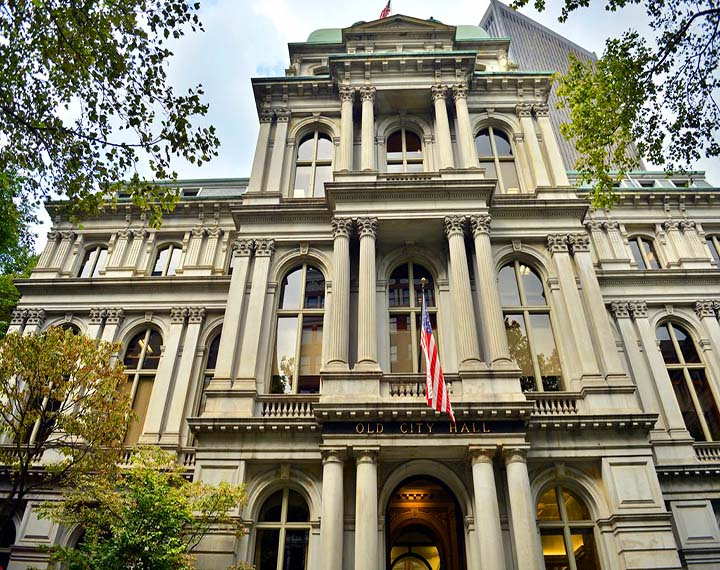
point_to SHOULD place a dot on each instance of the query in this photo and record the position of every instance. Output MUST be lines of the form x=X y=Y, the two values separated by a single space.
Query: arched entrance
x=424 y=527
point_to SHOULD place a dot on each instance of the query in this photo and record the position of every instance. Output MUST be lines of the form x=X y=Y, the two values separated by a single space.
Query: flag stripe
x=436 y=394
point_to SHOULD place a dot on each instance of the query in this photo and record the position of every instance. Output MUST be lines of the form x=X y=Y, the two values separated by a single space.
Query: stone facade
x=581 y=347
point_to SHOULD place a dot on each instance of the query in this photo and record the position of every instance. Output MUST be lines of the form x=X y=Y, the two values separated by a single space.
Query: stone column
x=442 y=126
x=347 y=96
x=113 y=319
x=261 y=151
x=117 y=256
x=487 y=513
x=95 y=322
x=17 y=321
x=49 y=251
x=366 y=511
x=367 y=330
x=264 y=249
x=277 y=158
x=178 y=399
x=332 y=523
x=466 y=331
x=197 y=236
x=557 y=244
x=138 y=240
x=557 y=166
x=229 y=338
x=601 y=331
x=163 y=377
x=497 y=352
x=599 y=239
x=620 y=250
x=208 y=257
x=367 y=149
x=62 y=250
x=523 y=511
x=35 y=321
x=707 y=312
x=537 y=161
x=339 y=337
x=676 y=243
x=465 y=138
x=695 y=244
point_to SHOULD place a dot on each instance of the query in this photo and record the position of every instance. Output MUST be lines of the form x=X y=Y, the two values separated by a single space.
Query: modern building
x=270 y=327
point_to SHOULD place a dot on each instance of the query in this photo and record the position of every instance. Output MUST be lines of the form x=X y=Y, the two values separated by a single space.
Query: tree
x=151 y=519
x=85 y=101
x=19 y=264
x=662 y=97
x=62 y=411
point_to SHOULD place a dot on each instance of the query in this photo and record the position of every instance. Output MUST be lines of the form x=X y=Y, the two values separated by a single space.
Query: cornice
x=675 y=277
x=614 y=422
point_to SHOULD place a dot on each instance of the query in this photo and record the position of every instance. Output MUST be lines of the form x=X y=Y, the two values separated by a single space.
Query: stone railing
x=708 y=452
x=553 y=403
x=287 y=406
x=408 y=386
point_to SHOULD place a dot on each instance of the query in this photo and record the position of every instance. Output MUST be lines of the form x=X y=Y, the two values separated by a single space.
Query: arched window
x=567 y=531
x=644 y=253
x=713 y=243
x=529 y=328
x=167 y=260
x=313 y=167
x=94 y=262
x=496 y=157
x=689 y=380
x=7 y=539
x=298 y=337
x=283 y=532
x=211 y=355
x=405 y=307
x=404 y=152
x=141 y=361
x=72 y=327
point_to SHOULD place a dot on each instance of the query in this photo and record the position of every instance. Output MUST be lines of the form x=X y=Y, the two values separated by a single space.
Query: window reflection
x=404 y=152
x=495 y=154
x=313 y=166
x=141 y=360
x=283 y=532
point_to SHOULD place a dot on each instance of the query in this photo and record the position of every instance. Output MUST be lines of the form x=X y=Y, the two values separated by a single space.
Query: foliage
x=16 y=238
x=151 y=518
x=663 y=96
x=61 y=408
x=86 y=100
x=20 y=265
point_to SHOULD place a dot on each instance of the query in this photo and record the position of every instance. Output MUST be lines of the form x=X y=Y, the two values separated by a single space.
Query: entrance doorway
x=424 y=527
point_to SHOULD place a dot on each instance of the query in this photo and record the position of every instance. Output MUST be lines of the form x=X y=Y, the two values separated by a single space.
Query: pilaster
x=537 y=161
x=347 y=96
x=557 y=166
x=261 y=151
x=442 y=126
x=367 y=329
x=339 y=339
x=367 y=152
x=465 y=138
x=274 y=178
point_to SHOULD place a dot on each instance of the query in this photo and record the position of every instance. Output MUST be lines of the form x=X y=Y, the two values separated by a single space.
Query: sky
x=248 y=38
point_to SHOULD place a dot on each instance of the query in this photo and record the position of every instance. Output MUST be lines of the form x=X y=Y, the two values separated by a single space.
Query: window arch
x=567 y=531
x=167 y=260
x=713 y=243
x=298 y=335
x=141 y=362
x=405 y=308
x=529 y=328
x=210 y=361
x=689 y=379
x=495 y=154
x=313 y=166
x=7 y=539
x=643 y=250
x=282 y=532
x=404 y=151
x=93 y=262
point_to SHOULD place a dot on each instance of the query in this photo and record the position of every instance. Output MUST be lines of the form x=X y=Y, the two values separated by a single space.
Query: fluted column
x=497 y=352
x=49 y=252
x=339 y=338
x=208 y=256
x=117 y=256
x=366 y=511
x=367 y=330
x=707 y=312
x=367 y=149
x=619 y=249
x=261 y=150
x=537 y=161
x=523 y=511
x=442 y=126
x=332 y=523
x=557 y=165
x=347 y=96
x=277 y=158
x=466 y=330
x=138 y=241
x=487 y=512
x=229 y=339
x=62 y=250
x=465 y=138
x=696 y=245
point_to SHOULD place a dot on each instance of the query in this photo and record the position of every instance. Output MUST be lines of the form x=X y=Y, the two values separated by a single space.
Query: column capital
x=367 y=93
x=671 y=224
x=541 y=110
x=459 y=91
x=198 y=231
x=214 y=231
x=53 y=235
x=366 y=226
x=593 y=225
x=114 y=316
x=557 y=243
x=515 y=454
x=282 y=114
x=439 y=92
x=18 y=317
x=346 y=93
x=68 y=234
x=454 y=225
x=610 y=225
x=243 y=247
x=265 y=115
x=688 y=225
x=264 y=247
x=638 y=309
x=196 y=314
x=97 y=315
x=482 y=454
x=35 y=317
x=139 y=233
x=341 y=227
x=366 y=454
x=480 y=224
x=706 y=308
x=523 y=110
x=124 y=233
x=333 y=455
x=579 y=242
x=620 y=309
x=177 y=315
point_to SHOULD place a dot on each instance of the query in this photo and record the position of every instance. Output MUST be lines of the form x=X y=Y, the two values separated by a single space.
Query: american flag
x=436 y=392
x=385 y=11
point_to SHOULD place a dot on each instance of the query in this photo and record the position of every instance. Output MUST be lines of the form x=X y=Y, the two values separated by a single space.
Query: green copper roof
x=325 y=36
x=469 y=33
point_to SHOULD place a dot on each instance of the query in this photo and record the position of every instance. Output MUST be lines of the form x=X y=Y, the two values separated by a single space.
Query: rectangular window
x=284 y=363
x=689 y=414
x=400 y=344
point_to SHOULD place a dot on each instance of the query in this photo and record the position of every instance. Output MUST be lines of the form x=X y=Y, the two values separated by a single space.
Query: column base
x=472 y=365
x=335 y=366
x=367 y=366
x=504 y=364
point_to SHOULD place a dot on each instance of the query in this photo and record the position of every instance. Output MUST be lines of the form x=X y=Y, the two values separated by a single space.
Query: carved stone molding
x=480 y=224
x=482 y=455
x=264 y=247
x=177 y=315
x=366 y=455
x=214 y=231
x=688 y=225
x=515 y=455
x=367 y=93
x=243 y=247
x=706 y=308
x=124 y=233
x=35 y=316
x=460 y=91
x=68 y=235
x=198 y=232
x=53 y=235
x=668 y=225
x=140 y=233
x=282 y=114
x=196 y=314
x=557 y=243
x=439 y=92
x=593 y=225
x=541 y=110
x=620 y=309
x=97 y=315
x=341 y=227
x=346 y=93
x=366 y=226
x=611 y=225
x=115 y=316
x=454 y=225
x=333 y=456
x=523 y=110
x=266 y=116
x=638 y=309
x=579 y=242
x=18 y=317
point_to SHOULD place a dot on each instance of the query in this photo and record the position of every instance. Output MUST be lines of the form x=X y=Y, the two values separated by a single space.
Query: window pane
x=88 y=263
x=325 y=148
x=687 y=345
x=553 y=545
x=507 y=284
x=418 y=327
x=207 y=378
x=161 y=261
x=489 y=167
x=290 y=290
x=302 y=182
x=510 y=177
x=546 y=351
x=266 y=549
x=520 y=347
x=272 y=508
x=394 y=145
x=413 y=146
x=100 y=263
x=713 y=250
x=310 y=355
x=297 y=508
x=314 y=289
x=583 y=545
x=637 y=255
x=502 y=144
x=689 y=413
x=132 y=354
x=284 y=361
x=667 y=348
x=414 y=167
x=574 y=507
x=174 y=261
x=400 y=344
x=395 y=168
x=707 y=402
x=548 y=509
x=295 y=555
x=532 y=286
x=139 y=408
x=650 y=253
x=323 y=174
x=212 y=353
x=418 y=273
x=399 y=287
x=152 y=353
x=482 y=143
x=305 y=150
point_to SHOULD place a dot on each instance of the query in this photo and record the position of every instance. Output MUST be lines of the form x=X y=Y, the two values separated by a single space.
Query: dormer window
x=314 y=165
x=404 y=152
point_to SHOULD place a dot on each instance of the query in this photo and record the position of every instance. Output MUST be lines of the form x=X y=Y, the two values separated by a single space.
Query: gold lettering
x=473 y=428
x=453 y=428
x=485 y=428
x=369 y=429
x=403 y=428
x=429 y=427
x=379 y=428
x=359 y=428
x=419 y=425
x=464 y=428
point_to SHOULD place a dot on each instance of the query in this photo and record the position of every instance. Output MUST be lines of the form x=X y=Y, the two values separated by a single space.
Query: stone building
x=270 y=327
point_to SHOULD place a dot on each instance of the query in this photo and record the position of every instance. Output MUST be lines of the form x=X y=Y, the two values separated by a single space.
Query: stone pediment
x=399 y=24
